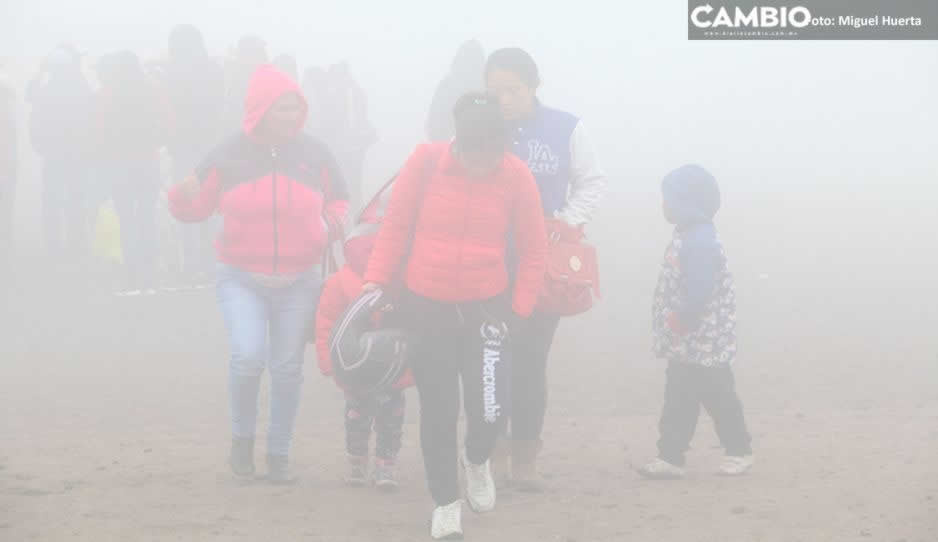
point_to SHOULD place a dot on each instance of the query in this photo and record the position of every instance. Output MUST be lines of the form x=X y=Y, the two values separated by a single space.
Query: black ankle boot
x=278 y=470
x=242 y=457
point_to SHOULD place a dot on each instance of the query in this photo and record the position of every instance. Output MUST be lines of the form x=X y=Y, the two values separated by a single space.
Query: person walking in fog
x=195 y=86
x=60 y=121
x=249 y=55
x=451 y=211
x=8 y=169
x=694 y=322
x=344 y=125
x=376 y=411
x=131 y=119
x=287 y=64
x=315 y=88
x=465 y=75
x=557 y=150
x=278 y=192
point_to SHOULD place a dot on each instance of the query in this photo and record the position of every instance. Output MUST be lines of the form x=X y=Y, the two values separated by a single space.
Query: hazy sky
x=630 y=72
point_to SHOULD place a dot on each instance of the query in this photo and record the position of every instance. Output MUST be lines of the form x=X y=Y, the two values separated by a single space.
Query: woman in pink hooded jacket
x=278 y=191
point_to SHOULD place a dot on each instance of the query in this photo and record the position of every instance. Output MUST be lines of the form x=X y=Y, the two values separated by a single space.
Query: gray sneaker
x=659 y=469
x=446 y=522
x=278 y=470
x=383 y=476
x=128 y=292
x=736 y=465
x=242 y=457
x=357 y=475
x=480 y=487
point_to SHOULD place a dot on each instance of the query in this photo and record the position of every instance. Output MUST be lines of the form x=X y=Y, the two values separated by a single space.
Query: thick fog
x=825 y=153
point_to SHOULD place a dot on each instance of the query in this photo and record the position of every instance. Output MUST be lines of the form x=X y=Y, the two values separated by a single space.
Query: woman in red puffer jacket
x=452 y=211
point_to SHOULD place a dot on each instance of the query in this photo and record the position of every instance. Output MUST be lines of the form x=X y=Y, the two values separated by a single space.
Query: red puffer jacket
x=462 y=228
x=276 y=202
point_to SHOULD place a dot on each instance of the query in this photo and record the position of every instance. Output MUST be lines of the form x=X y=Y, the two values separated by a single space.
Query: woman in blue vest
x=557 y=150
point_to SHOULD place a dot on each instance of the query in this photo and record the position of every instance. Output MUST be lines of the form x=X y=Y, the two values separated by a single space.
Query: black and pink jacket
x=277 y=202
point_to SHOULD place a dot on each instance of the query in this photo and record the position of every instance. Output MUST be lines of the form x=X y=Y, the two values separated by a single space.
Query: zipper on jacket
x=273 y=176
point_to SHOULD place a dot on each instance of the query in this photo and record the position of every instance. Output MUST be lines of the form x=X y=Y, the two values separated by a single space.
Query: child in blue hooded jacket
x=694 y=322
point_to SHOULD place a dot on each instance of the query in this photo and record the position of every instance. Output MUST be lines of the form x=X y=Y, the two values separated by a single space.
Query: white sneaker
x=659 y=469
x=480 y=487
x=735 y=465
x=447 y=522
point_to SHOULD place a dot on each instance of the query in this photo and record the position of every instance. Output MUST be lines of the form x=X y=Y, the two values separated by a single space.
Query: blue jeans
x=267 y=327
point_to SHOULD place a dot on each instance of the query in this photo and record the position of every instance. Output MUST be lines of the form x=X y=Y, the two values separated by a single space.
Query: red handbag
x=572 y=271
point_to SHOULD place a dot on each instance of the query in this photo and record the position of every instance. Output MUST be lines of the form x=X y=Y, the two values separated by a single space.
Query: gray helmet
x=367 y=358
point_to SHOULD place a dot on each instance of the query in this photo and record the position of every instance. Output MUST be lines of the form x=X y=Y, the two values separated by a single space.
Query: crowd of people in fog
x=112 y=133
x=451 y=261
x=9 y=147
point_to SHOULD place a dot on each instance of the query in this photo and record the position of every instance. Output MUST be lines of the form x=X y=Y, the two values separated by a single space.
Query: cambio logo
x=757 y=17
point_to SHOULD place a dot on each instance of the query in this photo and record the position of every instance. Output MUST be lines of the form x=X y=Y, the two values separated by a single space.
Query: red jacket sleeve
x=332 y=304
x=200 y=207
x=394 y=236
x=530 y=232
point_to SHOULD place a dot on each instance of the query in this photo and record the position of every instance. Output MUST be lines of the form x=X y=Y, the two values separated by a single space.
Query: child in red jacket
x=383 y=412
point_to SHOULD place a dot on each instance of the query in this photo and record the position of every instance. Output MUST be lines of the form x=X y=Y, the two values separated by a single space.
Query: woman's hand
x=370 y=287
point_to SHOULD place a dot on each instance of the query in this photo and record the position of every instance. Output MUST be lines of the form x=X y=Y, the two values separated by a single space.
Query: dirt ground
x=114 y=427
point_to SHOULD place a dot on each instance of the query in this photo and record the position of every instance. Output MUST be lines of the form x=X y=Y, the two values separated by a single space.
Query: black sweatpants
x=468 y=341
x=530 y=350
x=687 y=388
x=385 y=413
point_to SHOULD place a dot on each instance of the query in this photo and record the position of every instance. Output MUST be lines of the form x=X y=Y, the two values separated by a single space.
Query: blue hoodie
x=695 y=305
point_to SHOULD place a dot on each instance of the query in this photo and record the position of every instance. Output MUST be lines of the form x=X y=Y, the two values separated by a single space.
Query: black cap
x=480 y=126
